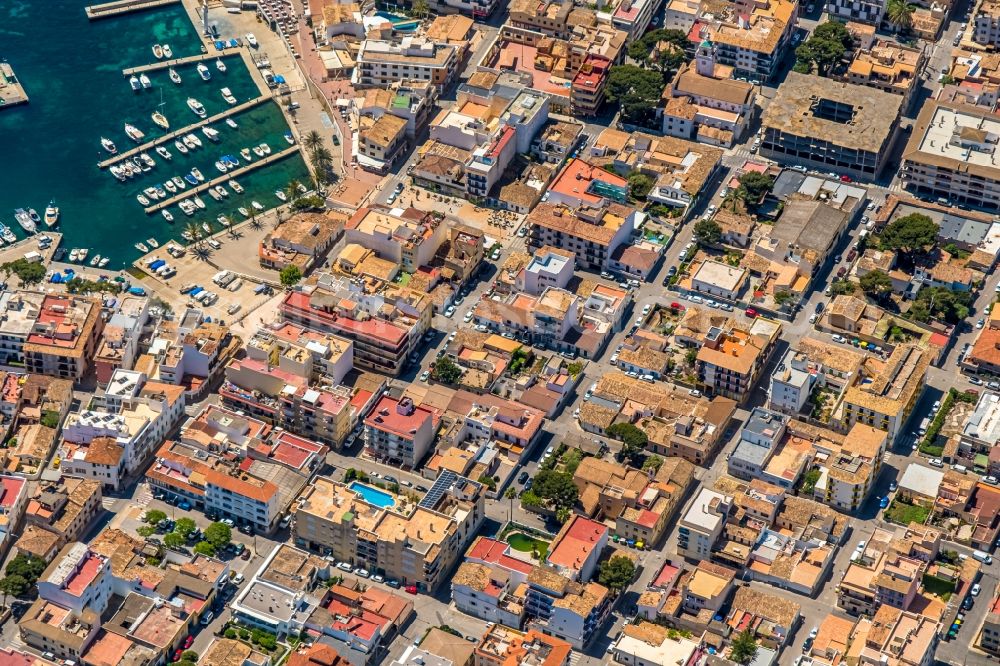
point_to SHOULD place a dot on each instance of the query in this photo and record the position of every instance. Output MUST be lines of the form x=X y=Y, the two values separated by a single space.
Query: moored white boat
x=221 y=190
x=266 y=148
x=157 y=51
x=167 y=51
x=142 y=199
x=150 y=162
x=169 y=186
x=215 y=195
x=236 y=186
x=199 y=203
x=281 y=195
x=142 y=247
x=82 y=253
x=227 y=95
x=195 y=140
x=221 y=167
x=197 y=174
x=134 y=132
x=258 y=151
x=74 y=254
x=134 y=82
x=109 y=145
x=289 y=138
x=174 y=76
x=210 y=132
x=257 y=205
x=7 y=233
x=245 y=154
x=219 y=65
x=188 y=141
x=206 y=227
x=204 y=72
x=104 y=262
x=179 y=182
x=95 y=260
x=223 y=220
x=167 y=215
x=163 y=152
x=196 y=107
x=232 y=123
x=24 y=219
x=243 y=211
x=52 y=214
x=160 y=120
x=144 y=80
x=151 y=242
x=181 y=148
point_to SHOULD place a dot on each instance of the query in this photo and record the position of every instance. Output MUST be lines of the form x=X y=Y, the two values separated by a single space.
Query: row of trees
x=216 y=536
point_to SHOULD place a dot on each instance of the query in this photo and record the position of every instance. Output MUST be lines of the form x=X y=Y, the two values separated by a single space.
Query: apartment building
x=880 y=575
x=119 y=344
x=493 y=585
x=64 y=337
x=706 y=105
x=13 y=500
x=381 y=143
x=730 y=361
x=648 y=643
x=989 y=636
x=859 y=11
x=77 y=579
x=752 y=38
x=888 y=66
x=385 y=325
x=592 y=234
x=194 y=354
x=399 y=432
x=702 y=524
x=279 y=597
x=986 y=24
x=211 y=486
x=828 y=125
x=575 y=551
x=848 y=468
x=811 y=365
x=414 y=543
x=951 y=153
x=381 y=63
x=885 y=393
x=18 y=312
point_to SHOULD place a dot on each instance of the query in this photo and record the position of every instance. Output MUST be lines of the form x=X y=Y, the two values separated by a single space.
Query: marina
x=222 y=179
x=11 y=91
x=176 y=62
x=119 y=7
x=151 y=145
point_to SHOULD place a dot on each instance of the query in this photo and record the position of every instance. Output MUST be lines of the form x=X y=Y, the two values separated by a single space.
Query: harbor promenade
x=114 y=159
x=163 y=64
x=221 y=180
x=119 y=7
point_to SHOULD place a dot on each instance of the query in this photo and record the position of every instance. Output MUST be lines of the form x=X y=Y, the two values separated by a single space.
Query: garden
x=904 y=512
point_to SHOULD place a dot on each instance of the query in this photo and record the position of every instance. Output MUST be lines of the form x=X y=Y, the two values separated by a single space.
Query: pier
x=163 y=64
x=221 y=180
x=171 y=136
x=119 y=7
x=11 y=91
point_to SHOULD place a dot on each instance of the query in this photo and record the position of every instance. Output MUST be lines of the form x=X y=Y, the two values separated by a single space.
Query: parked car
x=523 y=477
x=975 y=590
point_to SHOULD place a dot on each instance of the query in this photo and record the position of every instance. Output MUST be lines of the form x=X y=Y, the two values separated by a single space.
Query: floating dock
x=163 y=64
x=11 y=91
x=221 y=180
x=114 y=159
x=119 y=7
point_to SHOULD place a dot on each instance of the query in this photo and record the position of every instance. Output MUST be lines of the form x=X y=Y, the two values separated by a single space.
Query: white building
x=702 y=524
x=718 y=279
x=77 y=579
x=550 y=267
x=861 y=11
x=381 y=63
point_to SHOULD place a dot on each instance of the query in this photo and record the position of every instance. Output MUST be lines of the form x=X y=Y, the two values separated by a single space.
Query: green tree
x=154 y=516
x=638 y=91
x=632 y=438
x=707 y=233
x=190 y=655
x=839 y=287
x=290 y=275
x=420 y=8
x=941 y=303
x=27 y=566
x=173 y=540
x=530 y=500
x=204 y=548
x=184 y=526
x=910 y=233
x=899 y=13
x=446 y=371
x=231 y=633
x=292 y=190
x=510 y=495
x=616 y=573
x=193 y=231
x=665 y=50
x=652 y=463
x=639 y=184
x=757 y=185
x=876 y=283
x=743 y=648
x=29 y=272
x=557 y=487
x=488 y=481
x=824 y=49
x=782 y=296
x=14 y=585
x=50 y=418
x=145 y=531
x=218 y=534
x=312 y=140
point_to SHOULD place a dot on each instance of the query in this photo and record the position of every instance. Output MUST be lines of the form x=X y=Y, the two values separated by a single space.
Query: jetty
x=119 y=7
x=221 y=180
x=114 y=159
x=163 y=64
x=11 y=91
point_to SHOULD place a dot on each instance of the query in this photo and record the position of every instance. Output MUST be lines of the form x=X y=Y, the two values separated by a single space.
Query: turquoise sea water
x=71 y=70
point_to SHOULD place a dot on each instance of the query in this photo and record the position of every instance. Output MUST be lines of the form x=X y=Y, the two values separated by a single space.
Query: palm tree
x=900 y=14
x=312 y=140
x=293 y=191
x=511 y=494
x=322 y=158
x=193 y=230
x=736 y=196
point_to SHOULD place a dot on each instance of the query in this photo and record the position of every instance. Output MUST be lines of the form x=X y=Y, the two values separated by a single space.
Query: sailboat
x=158 y=117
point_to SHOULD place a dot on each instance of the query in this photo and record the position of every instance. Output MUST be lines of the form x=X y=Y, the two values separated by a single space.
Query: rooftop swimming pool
x=373 y=496
x=399 y=23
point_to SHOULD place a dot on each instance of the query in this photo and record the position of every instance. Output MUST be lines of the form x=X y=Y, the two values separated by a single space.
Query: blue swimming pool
x=399 y=23
x=373 y=496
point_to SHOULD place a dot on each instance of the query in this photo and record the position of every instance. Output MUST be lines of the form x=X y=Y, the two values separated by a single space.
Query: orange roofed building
x=577 y=548
x=64 y=337
x=501 y=646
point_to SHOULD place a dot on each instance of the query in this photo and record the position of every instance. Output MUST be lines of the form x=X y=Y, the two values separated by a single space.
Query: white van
x=236 y=284
x=982 y=557
x=222 y=278
x=207 y=618
x=216 y=245
x=924 y=425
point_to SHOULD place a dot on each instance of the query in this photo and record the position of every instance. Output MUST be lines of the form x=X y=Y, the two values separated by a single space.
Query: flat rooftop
x=965 y=137
x=848 y=115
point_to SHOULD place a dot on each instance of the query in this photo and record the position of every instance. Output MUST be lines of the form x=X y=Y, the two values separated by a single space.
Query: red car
x=842 y=271
x=750 y=312
x=177 y=654
x=845 y=179
x=412 y=589
x=188 y=641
